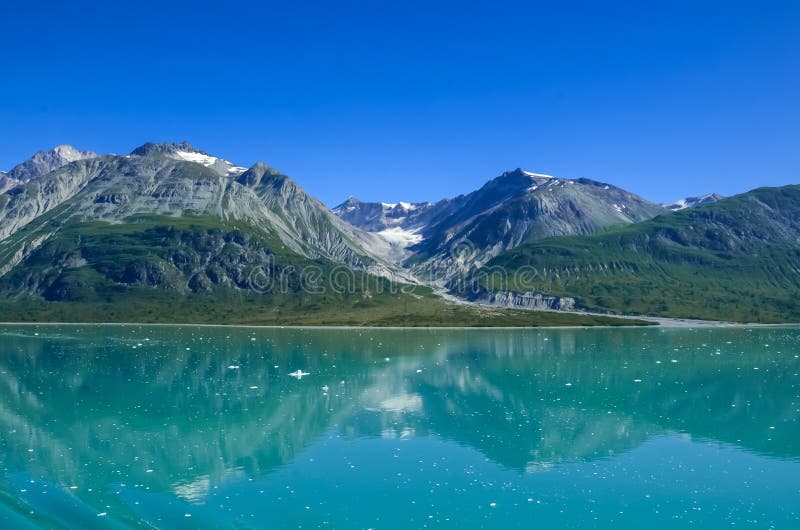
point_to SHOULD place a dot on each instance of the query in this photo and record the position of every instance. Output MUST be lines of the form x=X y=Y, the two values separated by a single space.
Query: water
x=126 y=427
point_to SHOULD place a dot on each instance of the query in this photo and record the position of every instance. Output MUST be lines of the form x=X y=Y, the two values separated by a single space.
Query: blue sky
x=418 y=100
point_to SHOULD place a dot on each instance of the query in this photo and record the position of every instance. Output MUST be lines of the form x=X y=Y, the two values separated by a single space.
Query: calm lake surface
x=189 y=427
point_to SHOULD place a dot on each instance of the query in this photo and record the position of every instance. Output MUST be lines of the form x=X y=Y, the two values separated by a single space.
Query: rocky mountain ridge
x=453 y=236
x=171 y=217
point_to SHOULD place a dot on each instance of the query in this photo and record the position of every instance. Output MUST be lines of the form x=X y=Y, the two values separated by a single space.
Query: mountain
x=171 y=233
x=175 y=181
x=456 y=235
x=44 y=162
x=735 y=259
x=691 y=202
x=379 y=216
x=40 y=164
x=187 y=152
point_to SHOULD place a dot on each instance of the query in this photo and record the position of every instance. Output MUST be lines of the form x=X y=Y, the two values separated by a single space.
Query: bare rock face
x=6 y=182
x=379 y=216
x=44 y=162
x=171 y=181
x=528 y=300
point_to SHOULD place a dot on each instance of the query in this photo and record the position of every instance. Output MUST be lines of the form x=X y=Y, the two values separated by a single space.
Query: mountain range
x=169 y=232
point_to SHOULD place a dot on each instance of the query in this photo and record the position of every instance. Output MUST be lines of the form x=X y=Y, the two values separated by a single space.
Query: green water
x=165 y=427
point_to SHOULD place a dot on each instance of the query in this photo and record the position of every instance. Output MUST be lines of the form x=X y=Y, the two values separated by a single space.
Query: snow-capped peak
x=187 y=152
x=691 y=202
x=71 y=154
x=537 y=175
x=407 y=206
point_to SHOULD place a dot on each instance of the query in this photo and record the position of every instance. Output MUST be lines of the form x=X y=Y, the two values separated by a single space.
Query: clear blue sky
x=418 y=100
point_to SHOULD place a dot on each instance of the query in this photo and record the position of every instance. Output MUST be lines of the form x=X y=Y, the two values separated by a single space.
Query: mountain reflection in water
x=182 y=410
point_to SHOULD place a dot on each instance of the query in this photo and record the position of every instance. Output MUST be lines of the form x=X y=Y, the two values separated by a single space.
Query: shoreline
x=661 y=323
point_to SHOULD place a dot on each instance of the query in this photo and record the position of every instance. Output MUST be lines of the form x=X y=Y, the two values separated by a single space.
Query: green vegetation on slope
x=205 y=270
x=738 y=259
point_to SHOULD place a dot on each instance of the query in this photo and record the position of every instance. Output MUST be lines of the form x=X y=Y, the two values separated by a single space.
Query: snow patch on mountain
x=200 y=158
x=537 y=175
x=691 y=202
x=208 y=161
x=400 y=236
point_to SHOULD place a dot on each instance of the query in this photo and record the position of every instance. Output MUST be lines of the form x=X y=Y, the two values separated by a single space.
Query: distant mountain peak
x=520 y=179
x=166 y=148
x=350 y=204
x=44 y=162
x=256 y=173
x=68 y=151
x=403 y=206
x=691 y=202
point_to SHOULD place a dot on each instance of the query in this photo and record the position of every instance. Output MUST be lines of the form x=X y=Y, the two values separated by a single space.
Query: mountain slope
x=453 y=236
x=6 y=182
x=195 y=269
x=736 y=259
x=172 y=234
x=114 y=188
x=516 y=208
x=168 y=221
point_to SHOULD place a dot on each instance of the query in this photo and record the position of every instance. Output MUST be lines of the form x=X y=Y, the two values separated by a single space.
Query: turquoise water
x=188 y=427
